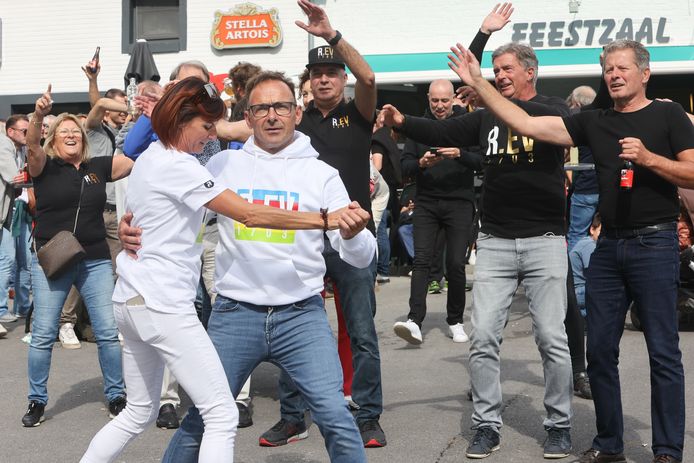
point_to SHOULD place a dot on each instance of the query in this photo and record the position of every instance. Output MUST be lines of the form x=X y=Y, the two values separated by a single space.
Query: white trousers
x=153 y=340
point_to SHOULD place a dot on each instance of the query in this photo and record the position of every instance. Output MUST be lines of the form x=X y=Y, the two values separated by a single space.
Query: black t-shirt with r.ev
x=57 y=192
x=523 y=192
x=664 y=129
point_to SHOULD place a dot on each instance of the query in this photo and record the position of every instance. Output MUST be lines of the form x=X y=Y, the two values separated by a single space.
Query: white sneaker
x=120 y=339
x=3 y=331
x=68 y=338
x=457 y=332
x=27 y=339
x=8 y=318
x=409 y=331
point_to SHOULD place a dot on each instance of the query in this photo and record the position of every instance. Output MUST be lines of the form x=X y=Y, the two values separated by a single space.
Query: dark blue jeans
x=383 y=240
x=298 y=339
x=645 y=268
x=356 y=287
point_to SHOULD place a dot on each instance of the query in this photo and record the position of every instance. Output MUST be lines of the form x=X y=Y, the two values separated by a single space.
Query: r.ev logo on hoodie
x=287 y=200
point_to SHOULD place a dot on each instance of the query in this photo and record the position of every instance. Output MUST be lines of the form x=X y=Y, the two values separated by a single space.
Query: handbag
x=63 y=250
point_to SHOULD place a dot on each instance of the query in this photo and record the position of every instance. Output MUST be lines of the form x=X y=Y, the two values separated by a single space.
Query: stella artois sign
x=247 y=25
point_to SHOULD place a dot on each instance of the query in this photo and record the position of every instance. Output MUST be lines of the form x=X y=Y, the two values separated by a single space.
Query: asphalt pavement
x=426 y=414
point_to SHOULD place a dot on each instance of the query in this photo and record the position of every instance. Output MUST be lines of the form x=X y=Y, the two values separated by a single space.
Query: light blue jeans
x=297 y=338
x=22 y=275
x=539 y=264
x=94 y=281
x=6 y=267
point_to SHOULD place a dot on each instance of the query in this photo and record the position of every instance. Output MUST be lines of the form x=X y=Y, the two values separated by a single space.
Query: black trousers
x=454 y=217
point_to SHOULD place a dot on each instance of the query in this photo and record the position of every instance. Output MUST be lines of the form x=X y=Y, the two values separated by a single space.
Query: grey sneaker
x=558 y=443
x=485 y=442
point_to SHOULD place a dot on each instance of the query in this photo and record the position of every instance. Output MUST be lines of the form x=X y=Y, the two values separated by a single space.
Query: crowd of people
x=205 y=249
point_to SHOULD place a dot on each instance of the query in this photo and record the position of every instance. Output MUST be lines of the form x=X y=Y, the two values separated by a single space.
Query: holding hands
x=352 y=220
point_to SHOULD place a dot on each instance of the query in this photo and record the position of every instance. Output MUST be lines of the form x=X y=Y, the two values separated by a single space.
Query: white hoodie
x=276 y=267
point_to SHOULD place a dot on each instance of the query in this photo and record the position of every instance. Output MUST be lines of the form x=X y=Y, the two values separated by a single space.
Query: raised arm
x=365 y=88
x=121 y=167
x=96 y=114
x=493 y=22
x=237 y=131
x=36 y=156
x=550 y=129
x=94 y=94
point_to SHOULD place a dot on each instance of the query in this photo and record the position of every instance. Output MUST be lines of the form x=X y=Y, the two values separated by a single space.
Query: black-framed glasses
x=207 y=90
x=282 y=108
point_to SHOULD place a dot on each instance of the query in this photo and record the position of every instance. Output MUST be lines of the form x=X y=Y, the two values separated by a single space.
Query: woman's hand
x=44 y=104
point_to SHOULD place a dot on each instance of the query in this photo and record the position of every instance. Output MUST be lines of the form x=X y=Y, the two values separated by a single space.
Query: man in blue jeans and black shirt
x=637 y=252
x=341 y=133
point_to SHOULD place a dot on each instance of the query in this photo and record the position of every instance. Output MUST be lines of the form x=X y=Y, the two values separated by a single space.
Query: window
x=161 y=22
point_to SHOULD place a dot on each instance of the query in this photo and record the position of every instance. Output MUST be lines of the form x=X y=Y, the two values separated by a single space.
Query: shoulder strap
x=79 y=204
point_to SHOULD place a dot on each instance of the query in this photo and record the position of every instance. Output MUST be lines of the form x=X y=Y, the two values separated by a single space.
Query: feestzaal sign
x=246 y=26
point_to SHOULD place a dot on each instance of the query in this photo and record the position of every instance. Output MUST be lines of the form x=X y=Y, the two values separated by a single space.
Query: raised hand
x=318 y=22
x=390 y=116
x=464 y=63
x=44 y=103
x=498 y=18
x=87 y=70
x=467 y=95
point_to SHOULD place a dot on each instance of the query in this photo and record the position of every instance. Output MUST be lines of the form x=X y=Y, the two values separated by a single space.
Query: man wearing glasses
x=268 y=282
x=12 y=158
x=341 y=133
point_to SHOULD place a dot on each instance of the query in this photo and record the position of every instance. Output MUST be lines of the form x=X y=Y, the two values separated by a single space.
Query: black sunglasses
x=207 y=90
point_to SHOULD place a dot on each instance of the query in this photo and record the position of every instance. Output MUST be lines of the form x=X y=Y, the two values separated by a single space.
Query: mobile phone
x=434 y=151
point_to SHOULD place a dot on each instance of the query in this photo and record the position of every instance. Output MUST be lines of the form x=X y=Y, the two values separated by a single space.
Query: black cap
x=324 y=55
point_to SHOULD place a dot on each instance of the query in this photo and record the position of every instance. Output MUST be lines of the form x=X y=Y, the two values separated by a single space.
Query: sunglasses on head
x=207 y=91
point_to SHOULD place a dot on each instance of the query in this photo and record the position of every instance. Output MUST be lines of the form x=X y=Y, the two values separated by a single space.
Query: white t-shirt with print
x=167 y=190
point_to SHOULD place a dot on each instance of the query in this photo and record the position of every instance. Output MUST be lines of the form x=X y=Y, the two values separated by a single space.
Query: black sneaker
x=596 y=456
x=485 y=442
x=558 y=443
x=167 y=418
x=245 y=415
x=116 y=406
x=371 y=434
x=283 y=433
x=34 y=415
x=582 y=386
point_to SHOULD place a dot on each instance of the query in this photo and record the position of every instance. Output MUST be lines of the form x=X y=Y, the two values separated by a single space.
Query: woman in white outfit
x=153 y=299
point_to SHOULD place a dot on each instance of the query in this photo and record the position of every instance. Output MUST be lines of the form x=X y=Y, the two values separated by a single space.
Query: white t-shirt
x=166 y=193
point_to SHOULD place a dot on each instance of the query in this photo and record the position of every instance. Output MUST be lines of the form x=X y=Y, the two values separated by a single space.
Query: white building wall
x=48 y=41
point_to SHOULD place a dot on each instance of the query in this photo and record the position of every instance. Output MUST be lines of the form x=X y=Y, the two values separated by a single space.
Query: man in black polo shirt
x=637 y=252
x=341 y=133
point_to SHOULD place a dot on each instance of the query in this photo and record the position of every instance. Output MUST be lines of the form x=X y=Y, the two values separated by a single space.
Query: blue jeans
x=22 y=276
x=356 y=289
x=583 y=208
x=94 y=281
x=406 y=234
x=6 y=267
x=297 y=338
x=540 y=264
x=647 y=269
x=383 y=265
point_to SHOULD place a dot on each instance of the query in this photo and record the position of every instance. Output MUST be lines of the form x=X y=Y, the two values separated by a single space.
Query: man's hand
x=391 y=117
x=464 y=63
x=467 y=95
x=449 y=153
x=129 y=236
x=145 y=103
x=633 y=150
x=91 y=75
x=44 y=104
x=353 y=220
x=429 y=160
x=318 y=22
x=497 y=19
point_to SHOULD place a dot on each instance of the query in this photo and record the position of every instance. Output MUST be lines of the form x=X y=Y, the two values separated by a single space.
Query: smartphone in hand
x=434 y=151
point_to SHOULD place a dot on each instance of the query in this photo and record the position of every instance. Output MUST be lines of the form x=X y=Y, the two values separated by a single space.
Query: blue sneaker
x=558 y=443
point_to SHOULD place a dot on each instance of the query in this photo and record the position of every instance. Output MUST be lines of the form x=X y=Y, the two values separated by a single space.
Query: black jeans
x=455 y=218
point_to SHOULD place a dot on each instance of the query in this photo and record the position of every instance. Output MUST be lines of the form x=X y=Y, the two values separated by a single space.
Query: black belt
x=110 y=207
x=625 y=233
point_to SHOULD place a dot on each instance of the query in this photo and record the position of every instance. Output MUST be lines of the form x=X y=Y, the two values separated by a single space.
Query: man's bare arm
x=678 y=171
x=96 y=114
x=238 y=131
x=365 y=88
x=550 y=129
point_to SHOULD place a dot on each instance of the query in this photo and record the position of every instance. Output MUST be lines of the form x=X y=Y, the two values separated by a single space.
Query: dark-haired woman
x=153 y=300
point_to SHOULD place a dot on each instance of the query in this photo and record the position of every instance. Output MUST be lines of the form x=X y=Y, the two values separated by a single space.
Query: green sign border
x=415 y=62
